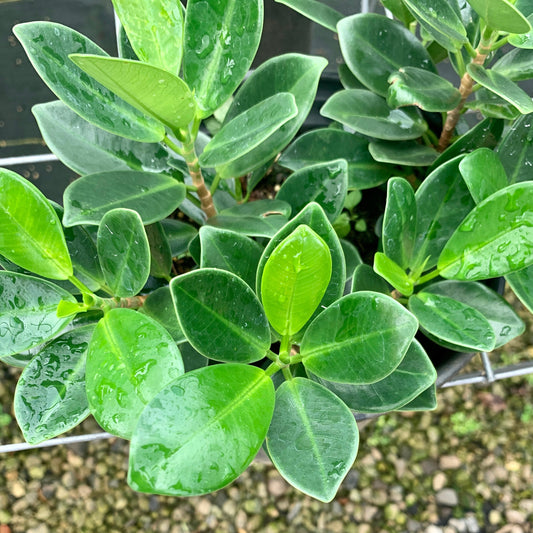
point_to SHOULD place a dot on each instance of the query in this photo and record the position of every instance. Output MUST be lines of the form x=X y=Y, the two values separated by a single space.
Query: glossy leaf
x=483 y=173
x=154 y=29
x=374 y=47
x=234 y=327
x=124 y=252
x=317 y=11
x=221 y=39
x=490 y=104
x=50 y=397
x=452 y=321
x=352 y=258
x=223 y=410
x=347 y=78
x=292 y=73
x=312 y=450
x=160 y=254
x=421 y=88
x=252 y=226
x=505 y=323
x=152 y=90
x=501 y=15
x=365 y=279
x=327 y=144
x=523 y=40
x=324 y=183
x=522 y=284
x=360 y=339
x=294 y=280
x=398 y=9
x=495 y=239
x=369 y=114
x=412 y=377
x=48 y=46
x=179 y=235
x=153 y=196
x=260 y=208
x=501 y=86
x=231 y=251
x=30 y=232
x=443 y=200
x=425 y=401
x=441 y=20
x=516 y=65
x=129 y=360
x=403 y=153
x=248 y=130
x=393 y=273
x=28 y=311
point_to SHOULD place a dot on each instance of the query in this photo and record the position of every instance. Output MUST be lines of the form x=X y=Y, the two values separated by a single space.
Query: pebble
x=439 y=481
x=447 y=497
x=277 y=486
x=433 y=529
x=515 y=517
x=450 y=462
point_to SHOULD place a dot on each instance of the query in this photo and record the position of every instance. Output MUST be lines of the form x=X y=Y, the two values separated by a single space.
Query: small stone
x=495 y=517
x=240 y=519
x=294 y=511
x=252 y=506
x=336 y=527
x=447 y=498
x=369 y=512
x=515 y=517
x=277 y=486
x=450 y=462
x=37 y=472
x=439 y=481
x=472 y=525
x=41 y=528
x=229 y=508
x=17 y=489
x=204 y=507
x=526 y=506
x=433 y=529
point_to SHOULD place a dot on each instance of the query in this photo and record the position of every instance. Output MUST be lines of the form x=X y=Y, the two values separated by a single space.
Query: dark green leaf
x=359 y=339
x=159 y=306
x=313 y=452
x=369 y=114
x=351 y=257
x=393 y=273
x=253 y=226
x=50 y=397
x=179 y=235
x=124 y=48
x=153 y=196
x=222 y=410
x=490 y=104
x=522 y=284
x=403 y=153
x=425 y=401
x=259 y=208
x=221 y=316
x=398 y=9
x=160 y=254
x=347 y=78
x=501 y=15
x=191 y=358
x=48 y=46
x=516 y=65
x=317 y=11
x=365 y=279
x=130 y=359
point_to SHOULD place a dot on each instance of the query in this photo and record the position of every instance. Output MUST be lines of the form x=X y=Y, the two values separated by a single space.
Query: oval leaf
x=522 y=284
x=501 y=15
x=403 y=153
x=316 y=11
x=393 y=273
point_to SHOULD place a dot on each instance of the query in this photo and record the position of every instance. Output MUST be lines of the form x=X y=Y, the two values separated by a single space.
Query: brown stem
x=133 y=302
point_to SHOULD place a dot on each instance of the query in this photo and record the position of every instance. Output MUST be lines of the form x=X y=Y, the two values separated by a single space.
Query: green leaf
x=501 y=15
x=231 y=251
x=87 y=149
x=48 y=46
x=30 y=232
x=65 y=309
x=351 y=257
x=428 y=91
x=124 y=47
x=129 y=360
x=253 y=226
x=501 y=86
x=323 y=145
x=292 y=73
x=191 y=358
x=324 y=183
x=347 y=78
x=359 y=339
x=28 y=311
x=160 y=254
x=403 y=153
x=365 y=279
x=248 y=130
x=312 y=452
x=222 y=410
x=505 y=323
x=425 y=401
x=490 y=104
x=399 y=222
x=179 y=235
x=398 y=9
x=221 y=39
x=50 y=397
x=154 y=29
x=414 y=375
x=153 y=196
x=522 y=284
x=234 y=327
x=483 y=173
x=259 y=208
x=124 y=252
x=374 y=47
x=443 y=200
x=523 y=40
x=441 y=20
x=317 y=11
x=393 y=273
x=294 y=280
x=516 y=65
x=495 y=238
x=452 y=321
x=150 y=89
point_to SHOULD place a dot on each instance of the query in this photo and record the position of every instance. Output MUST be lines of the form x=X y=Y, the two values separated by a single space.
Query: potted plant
x=200 y=324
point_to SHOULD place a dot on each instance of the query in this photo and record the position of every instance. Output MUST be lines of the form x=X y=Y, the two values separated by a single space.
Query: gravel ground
x=466 y=467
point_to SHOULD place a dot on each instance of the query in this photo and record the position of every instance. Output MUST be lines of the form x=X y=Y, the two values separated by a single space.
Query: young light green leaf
x=150 y=89
x=374 y=47
x=50 y=397
x=154 y=29
x=234 y=327
x=408 y=153
x=393 y=273
x=312 y=452
x=221 y=39
x=28 y=311
x=501 y=15
x=248 y=130
x=359 y=339
x=48 y=46
x=294 y=280
x=129 y=360
x=317 y=11
x=495 y=239
x=522 y=284
x=223 y=410
x=30 y=232
x=153 y=196
x=421 y=88
x=483 y=173
x=124 y=252
x=369 y=114
x=324 y=183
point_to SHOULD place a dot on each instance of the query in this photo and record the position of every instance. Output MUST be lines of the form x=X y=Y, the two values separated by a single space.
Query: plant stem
x=287 y=373
x=428 y=277
x=214 y=185
x=172 y=145
x=272 y=369
x=285 y=349
x=80 y=285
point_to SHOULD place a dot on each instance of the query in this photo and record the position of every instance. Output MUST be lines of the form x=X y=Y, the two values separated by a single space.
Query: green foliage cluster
x=279 y=332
